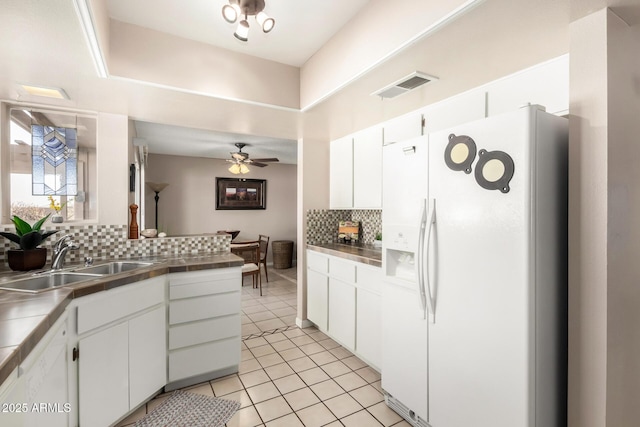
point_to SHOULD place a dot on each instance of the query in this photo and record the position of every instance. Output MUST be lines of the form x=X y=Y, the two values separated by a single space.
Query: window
x=32 y=207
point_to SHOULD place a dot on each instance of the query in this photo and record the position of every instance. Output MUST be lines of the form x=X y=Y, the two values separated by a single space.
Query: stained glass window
x=54 y=155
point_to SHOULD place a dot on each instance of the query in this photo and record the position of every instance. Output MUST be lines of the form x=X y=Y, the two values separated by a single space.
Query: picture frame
x=241 y=193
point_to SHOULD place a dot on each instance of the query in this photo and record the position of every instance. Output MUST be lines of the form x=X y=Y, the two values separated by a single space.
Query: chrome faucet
x=60 y=249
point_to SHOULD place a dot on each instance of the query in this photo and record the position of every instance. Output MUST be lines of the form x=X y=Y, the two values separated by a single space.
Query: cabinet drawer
x=118 y=303
x=205 y=307
x=343 y=270
x=203 y=276
x=205 y=286
x=369 y=278
x=205 y=331
x=317 y=262
x=199 y=360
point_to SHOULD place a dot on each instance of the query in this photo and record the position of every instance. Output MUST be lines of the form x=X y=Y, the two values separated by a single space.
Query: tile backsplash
x=111 y=241
x=322 y=224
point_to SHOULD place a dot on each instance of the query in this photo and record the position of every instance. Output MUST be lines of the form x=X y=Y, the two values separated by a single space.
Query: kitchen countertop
x=366 y=254
x=25 y=318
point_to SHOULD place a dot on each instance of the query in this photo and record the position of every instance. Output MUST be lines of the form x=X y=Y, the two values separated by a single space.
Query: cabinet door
x=546 y=84
x=104 y=376
x=12 y=398
x=456 y=110
x=317 y=299
x=147 y=355
x=341 y=174
x=403 y=127
x=368 y=326
x=342 y=312
x=367 y=169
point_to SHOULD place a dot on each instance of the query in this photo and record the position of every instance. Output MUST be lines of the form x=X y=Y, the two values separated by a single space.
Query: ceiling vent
x=404 y=85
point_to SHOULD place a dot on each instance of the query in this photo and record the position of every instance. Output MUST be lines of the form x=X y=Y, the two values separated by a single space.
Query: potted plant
x=57 y=207
x=378 y=240
x=29 y=256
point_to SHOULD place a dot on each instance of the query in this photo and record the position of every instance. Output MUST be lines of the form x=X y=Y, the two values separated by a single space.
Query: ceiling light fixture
x=238 y=168
x=46 y=91
x=236 y=8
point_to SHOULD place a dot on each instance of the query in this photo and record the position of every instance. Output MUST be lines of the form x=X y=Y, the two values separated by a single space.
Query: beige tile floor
x=291 y=376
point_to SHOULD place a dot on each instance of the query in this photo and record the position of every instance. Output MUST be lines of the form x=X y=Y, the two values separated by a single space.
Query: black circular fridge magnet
x=460 y=153
x=494 y=170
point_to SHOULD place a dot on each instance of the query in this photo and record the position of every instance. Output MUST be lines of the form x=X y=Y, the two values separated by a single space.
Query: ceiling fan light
x=242 y=32
x=230 y=12
x=265 y=22
x=234 y=169
x=243 y=168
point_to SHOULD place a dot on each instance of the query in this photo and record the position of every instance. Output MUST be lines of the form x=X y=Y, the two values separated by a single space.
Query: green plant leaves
x=26 y=236
x=11 y=236
x=21 y=226
x=38 y=224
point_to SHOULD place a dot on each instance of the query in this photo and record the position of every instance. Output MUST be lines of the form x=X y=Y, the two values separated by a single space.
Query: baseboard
x=306 y=323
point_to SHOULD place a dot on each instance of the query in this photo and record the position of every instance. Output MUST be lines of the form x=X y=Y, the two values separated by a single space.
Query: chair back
x=264 y=246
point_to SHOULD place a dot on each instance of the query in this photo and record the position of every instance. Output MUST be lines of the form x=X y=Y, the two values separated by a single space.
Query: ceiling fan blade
x=260 y=165
x=270 y=159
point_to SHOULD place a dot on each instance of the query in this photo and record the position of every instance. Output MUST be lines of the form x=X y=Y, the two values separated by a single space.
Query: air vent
x=404 y=85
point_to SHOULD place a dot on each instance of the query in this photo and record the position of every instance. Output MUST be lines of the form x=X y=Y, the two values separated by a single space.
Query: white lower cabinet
x=12 y=397
x=342 y=312
x=369 y=326
x=204 y=325
x=318 y=299
x=104 y=376
x=343 y=300
x=121 y=350
x=36 y=393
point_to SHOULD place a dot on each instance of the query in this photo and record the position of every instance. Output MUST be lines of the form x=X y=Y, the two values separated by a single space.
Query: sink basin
x=46 y=282
x=114 y=267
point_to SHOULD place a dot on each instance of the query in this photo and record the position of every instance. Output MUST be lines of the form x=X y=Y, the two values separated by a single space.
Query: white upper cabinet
x=341 y=173
x=402 y=128
x=367 y=168
x=546 y=84
x=459 y=109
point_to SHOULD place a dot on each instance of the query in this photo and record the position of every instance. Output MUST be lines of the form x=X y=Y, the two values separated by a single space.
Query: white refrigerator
x=475 y=291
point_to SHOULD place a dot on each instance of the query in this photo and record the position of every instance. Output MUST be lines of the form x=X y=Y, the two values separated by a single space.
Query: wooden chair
x=251 y=255
x=264 y=246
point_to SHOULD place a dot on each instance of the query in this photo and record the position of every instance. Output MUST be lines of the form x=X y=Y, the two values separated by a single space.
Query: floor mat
x=192 y=410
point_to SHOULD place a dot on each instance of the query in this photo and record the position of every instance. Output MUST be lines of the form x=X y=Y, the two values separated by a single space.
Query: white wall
x=187 y=205
x=604 y=218
x=113 y=168
x=145 y=55
x=313 y=193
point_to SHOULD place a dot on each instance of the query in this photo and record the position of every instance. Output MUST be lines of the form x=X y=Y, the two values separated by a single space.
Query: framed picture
x=239 y=193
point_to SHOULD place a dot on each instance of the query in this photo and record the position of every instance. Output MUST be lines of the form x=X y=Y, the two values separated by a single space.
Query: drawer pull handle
x=75 y=354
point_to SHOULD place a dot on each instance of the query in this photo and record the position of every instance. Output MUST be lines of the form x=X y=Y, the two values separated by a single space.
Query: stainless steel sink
x=46 y=282
x=114 y=267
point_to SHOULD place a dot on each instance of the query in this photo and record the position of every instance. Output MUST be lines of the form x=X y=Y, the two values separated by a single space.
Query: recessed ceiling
x=302 y=26
x=182 y=141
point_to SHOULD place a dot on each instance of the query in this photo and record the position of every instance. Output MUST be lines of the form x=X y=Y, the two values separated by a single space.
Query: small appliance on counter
x=348 y=232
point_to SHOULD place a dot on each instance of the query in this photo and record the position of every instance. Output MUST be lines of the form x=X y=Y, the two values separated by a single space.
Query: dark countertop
x=366 y=254
x=25 y=318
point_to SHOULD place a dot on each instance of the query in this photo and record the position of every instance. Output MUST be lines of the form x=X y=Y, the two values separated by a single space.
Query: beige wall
x=623 y=225
x=313 y=193
x=604 y=233
x=187 y=205
x=113 y=168
x=150 y=56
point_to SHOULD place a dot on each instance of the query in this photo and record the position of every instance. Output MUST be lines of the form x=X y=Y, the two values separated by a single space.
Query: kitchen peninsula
x=101 y=314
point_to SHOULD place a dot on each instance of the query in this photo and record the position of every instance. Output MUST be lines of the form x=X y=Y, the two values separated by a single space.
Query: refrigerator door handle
x=430 y=221
x=421 y=260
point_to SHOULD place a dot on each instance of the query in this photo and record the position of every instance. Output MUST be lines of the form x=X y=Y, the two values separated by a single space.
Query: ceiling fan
x=240 y=159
